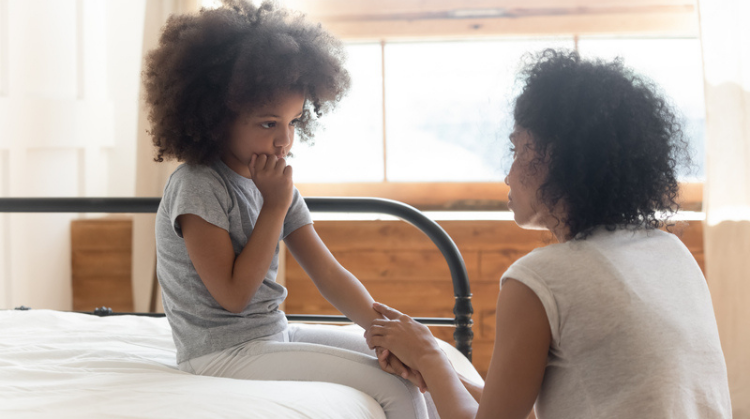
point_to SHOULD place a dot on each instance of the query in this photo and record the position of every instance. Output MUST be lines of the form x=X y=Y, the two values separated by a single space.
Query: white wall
x=69 y=77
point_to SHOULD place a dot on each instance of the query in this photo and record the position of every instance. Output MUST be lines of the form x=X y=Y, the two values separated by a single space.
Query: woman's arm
x=519 y=358
x=516 y=371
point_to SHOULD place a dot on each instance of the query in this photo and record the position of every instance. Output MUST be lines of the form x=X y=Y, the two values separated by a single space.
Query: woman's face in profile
x=526 y=175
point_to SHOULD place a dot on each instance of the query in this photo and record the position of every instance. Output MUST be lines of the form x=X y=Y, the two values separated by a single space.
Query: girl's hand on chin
x=273 y=177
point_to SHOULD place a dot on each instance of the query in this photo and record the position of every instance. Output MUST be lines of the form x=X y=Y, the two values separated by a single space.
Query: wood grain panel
x=670 y=23
x=380 y=254
x=101 y=262
x=444 y=18
x=691 y=234
x=443 y=196
x=470 y=196
x=373 y=265
x=101 y=266
x=325 y=8
x=110 y=291
x=468 y=235
x=100 y=234
x=365 y=235
x=492 y=264
x=487 y=235
x=416 y=299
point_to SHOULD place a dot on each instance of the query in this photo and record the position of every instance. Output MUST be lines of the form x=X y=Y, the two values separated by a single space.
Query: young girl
x=615 y=320
x=228 y=88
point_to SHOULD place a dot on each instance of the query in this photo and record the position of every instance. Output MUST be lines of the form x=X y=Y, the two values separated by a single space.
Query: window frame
x=412 y=20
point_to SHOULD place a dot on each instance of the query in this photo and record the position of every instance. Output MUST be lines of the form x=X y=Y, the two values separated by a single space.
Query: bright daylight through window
x=448 y=105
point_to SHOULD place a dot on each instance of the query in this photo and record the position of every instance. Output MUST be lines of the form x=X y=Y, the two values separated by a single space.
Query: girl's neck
x=231 y=161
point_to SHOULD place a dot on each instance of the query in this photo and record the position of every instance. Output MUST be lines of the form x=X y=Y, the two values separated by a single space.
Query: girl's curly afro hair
x=210 y=67
x=611 y=141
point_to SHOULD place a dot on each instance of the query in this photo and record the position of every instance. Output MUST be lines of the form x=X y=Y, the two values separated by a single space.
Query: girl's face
x=268 y=130
x=526 y=175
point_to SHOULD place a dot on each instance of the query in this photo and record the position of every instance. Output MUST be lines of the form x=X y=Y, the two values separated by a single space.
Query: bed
x=122 y=365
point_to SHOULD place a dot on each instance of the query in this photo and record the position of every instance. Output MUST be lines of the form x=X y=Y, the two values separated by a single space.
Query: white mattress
x=67 y=365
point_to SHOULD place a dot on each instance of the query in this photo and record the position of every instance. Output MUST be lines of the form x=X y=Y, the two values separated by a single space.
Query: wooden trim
x=485 y=196
x=424 y=196
x=330 y=8
x=653 y=24
x=415 y=19
x=691 y=196
x=385 y=114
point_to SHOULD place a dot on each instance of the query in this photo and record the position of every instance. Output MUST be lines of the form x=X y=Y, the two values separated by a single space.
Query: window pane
x=448 y=107
x=349 y=142
x=676 y=66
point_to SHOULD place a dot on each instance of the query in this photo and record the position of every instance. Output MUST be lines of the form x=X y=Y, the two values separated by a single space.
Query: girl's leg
x=339 y=337
x=336 y=336
x=273 y=360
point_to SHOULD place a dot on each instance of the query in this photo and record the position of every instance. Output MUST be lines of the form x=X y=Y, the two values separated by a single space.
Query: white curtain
x=68 y=106
x=150 y=176
x=725 y=37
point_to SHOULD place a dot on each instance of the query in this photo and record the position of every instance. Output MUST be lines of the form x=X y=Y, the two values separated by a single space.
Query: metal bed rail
x=462 y=310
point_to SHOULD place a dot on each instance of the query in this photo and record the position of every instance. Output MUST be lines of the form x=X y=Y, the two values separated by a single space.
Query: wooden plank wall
x=397 y=263
x=102 y=263
x=401 y=267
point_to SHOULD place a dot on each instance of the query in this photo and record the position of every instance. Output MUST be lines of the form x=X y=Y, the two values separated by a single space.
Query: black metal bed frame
x=462 y=309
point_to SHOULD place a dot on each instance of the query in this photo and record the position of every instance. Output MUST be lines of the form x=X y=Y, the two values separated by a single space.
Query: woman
x=615 y=320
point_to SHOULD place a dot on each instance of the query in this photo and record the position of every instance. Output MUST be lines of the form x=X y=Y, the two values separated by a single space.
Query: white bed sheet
x=68 y=365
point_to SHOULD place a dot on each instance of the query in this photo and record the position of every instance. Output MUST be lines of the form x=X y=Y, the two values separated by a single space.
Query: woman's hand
x=273 y=178
x=391 y=364
x=403 y=337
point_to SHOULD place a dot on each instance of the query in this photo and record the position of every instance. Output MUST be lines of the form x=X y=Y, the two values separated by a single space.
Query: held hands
x=273 y=178
x=391 y=364
x=399 y=335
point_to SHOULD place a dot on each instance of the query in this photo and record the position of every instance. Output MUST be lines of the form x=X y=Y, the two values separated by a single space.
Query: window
x=348 y=145
x=675 y=65
x=440 y=111
x=448 y=108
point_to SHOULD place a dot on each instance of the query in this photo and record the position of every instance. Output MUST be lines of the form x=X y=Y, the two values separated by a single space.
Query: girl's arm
x=336 y=284
x=233 y=279
x=516 y=370
x=342 y=289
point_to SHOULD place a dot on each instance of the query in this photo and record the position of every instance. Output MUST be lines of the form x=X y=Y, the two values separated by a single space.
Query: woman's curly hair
x=210 y=67
x=612 y=142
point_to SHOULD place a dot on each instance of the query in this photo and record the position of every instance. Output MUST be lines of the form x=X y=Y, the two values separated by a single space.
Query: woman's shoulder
x=550 y=252
x=557 y=258
x=602 y=246
x=540 y=263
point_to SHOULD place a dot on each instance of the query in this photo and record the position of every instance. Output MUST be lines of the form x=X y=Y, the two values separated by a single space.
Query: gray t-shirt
x=633 y=329
x=228 y=200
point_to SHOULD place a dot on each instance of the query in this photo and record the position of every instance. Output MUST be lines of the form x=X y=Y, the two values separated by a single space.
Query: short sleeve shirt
x=633 y=329
x=222 y=197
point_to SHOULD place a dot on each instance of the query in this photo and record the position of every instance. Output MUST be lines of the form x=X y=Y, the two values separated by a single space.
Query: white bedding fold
x=68 y=365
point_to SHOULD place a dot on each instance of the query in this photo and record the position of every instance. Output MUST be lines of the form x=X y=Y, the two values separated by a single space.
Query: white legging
x=305 y=352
